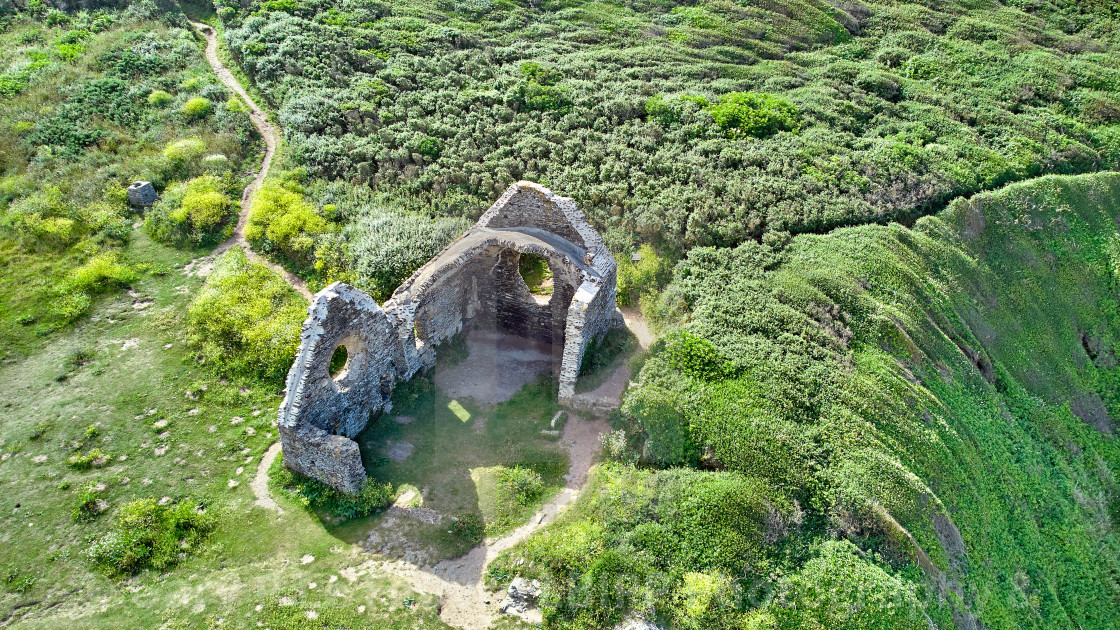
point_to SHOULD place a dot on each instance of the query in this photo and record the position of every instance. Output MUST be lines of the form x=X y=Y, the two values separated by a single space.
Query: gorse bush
x=159 y=98
x=284 y=222
x=195 y=212
x=197 y=107
x=101 y=273
x=246 y=320
x=147 y=535
x=742 y=114
x=675 y=125
x=184 y=155
x=855 y=374
x=644 y=277
x=822 y=594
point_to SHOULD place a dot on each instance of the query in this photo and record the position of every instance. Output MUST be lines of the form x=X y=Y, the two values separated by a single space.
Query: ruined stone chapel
x=474 y=279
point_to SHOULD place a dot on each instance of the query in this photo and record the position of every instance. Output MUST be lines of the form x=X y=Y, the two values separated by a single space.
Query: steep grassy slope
x=945 y=396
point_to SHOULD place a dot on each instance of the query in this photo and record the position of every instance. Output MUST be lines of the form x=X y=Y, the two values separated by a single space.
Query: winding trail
x=271 y=137
x=259 y=484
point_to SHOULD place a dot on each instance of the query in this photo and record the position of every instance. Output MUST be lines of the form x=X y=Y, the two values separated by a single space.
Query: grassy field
x=168 y=428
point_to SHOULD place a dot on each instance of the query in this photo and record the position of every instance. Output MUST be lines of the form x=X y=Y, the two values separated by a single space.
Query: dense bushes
x=246 y=320
x=920 y=392
x=665 y=121
x=147 y=535
x=195 y=212
x=284 y=222
x=386 y=247
x=383 y=246
x=642 y=278
x=840 y=589
x=647 y=539
x=742 y=114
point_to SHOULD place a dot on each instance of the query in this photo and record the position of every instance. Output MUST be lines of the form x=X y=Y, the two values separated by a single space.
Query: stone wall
x=473 y=280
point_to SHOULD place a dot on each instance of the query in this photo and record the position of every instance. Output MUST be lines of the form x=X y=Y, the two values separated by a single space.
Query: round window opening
x=340 y=363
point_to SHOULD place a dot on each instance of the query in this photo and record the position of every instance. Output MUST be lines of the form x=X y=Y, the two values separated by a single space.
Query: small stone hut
x=475 y=276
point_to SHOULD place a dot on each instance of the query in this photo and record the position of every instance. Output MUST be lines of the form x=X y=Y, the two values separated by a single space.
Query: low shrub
x=753 y=114
x=196 y=108
x=246 y=320
x=90 y=504
x=90 y=459
x=642 y=277
x=283 y=221
x=147 y=535
x=319 y=497
x=184 y=155
x=524 y=485
x=196 y=212
x=101 y=273
x=159 y=98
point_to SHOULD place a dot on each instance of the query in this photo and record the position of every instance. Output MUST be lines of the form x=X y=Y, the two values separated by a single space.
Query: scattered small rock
x=399 y=451
x=307 y=559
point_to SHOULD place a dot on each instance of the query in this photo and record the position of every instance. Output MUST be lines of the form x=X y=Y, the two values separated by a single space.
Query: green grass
x=183 y=433
x=459 y=451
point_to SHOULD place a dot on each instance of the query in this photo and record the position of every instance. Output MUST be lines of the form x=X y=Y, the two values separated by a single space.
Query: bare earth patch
x=497 y=367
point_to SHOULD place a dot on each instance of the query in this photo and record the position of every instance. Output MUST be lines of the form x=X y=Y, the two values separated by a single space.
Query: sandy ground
x=259 y=484
x=271 y=138
x=497 y=367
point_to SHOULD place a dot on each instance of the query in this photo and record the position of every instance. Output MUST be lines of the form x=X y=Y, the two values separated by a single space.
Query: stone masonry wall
x=474 y=279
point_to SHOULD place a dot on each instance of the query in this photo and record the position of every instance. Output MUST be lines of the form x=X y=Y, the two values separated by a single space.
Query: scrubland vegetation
x=924 y=393
x=879 y=241
x=90 y=104
x=682 y=124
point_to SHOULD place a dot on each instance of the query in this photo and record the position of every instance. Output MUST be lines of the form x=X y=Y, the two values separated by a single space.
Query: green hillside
x=943 y=396
x=880 y=110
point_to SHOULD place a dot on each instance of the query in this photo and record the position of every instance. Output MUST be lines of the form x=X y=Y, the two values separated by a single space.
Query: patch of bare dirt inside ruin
x=497 y=367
